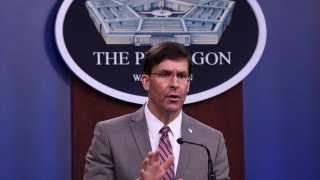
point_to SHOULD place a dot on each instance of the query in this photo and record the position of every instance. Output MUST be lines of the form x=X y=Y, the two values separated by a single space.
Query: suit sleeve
x=99 y=161
x=221 y=165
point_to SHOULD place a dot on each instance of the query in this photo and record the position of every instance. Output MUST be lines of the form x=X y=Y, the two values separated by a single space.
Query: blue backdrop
x=281 y=95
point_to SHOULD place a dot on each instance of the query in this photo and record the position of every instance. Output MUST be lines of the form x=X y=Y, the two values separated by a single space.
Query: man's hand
x=152 y=170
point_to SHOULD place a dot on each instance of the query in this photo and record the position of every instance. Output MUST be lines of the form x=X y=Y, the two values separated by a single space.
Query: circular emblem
x=104 y=42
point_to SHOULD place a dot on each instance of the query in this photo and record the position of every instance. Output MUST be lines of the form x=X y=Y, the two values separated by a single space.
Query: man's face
x=167 y=89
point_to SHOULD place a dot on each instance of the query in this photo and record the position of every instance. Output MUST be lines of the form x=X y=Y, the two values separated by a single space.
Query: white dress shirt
x=154 y=126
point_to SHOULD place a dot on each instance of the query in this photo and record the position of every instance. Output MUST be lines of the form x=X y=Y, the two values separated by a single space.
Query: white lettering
x=223 y=57
x=123 y=58
x=197 y=58
x=139 y=56
x=211 y=58
x=136 y=77
x=112 y=58
x=194 y=58
x=215 y=58
x=98 y=57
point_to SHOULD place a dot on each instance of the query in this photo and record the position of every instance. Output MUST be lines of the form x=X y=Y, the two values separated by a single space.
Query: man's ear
x=145 y=79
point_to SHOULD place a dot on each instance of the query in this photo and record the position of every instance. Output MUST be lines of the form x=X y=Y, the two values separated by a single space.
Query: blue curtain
x=35 y=126
x=282 y=96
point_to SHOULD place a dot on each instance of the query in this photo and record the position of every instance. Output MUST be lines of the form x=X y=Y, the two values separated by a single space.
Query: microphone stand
x=211 y=174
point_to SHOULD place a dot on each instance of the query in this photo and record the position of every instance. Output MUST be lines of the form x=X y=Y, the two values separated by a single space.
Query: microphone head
x=180 y=140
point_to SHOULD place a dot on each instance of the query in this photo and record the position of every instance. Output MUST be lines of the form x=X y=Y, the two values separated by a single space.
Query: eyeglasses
x=167 y=76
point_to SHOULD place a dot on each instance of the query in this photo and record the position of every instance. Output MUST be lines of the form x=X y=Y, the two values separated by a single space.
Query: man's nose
x=174 y=81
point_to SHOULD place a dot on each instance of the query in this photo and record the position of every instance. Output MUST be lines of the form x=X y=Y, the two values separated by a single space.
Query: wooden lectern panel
x=89 y=106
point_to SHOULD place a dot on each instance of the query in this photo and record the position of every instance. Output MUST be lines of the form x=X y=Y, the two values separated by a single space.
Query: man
x=144 y=144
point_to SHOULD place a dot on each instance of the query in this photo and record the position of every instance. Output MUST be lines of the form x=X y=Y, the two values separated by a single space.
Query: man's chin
x=174 y=107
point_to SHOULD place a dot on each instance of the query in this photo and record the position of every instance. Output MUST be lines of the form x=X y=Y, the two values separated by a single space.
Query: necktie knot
x=164 y=130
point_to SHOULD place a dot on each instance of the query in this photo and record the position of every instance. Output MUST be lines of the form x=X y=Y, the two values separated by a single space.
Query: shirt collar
x=154 y=124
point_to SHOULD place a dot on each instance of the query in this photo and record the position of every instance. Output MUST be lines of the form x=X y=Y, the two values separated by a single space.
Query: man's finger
x=150 y=157
x=156 y=156
x=145 y=163
x=168 y=162
x=142 y=173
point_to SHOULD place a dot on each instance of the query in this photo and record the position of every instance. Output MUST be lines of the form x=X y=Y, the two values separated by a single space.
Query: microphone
x=211 y=174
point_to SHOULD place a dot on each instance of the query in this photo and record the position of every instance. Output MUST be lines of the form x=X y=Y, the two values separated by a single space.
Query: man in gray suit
x=144 y=144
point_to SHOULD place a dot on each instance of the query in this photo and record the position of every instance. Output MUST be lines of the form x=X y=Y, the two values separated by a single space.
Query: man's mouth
x=173 y=97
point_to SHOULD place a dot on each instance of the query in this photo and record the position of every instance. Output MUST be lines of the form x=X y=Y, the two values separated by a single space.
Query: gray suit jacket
x=121 y=144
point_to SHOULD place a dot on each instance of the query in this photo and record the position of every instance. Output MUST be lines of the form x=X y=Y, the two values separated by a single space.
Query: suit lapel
x=185 y=149
x=139 y=130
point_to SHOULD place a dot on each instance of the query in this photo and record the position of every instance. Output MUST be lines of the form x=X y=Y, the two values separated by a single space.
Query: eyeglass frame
x=182 y=77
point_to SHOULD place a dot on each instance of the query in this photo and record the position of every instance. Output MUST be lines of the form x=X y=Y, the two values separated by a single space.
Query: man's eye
x=182 y=76
x=165 y=75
